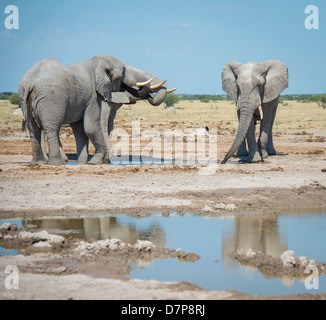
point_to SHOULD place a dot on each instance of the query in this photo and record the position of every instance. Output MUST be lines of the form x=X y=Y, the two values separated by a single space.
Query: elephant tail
x=24 y=124
x=24 y=101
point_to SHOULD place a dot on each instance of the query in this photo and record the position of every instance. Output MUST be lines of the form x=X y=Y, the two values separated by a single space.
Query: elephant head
x=130 y=84
x=139 y=85
x=251 y=85
x=108 y=75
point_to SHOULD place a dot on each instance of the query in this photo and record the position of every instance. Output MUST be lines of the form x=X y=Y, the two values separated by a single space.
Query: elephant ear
x=277 y=79
x=103 y=81
x=229 y=77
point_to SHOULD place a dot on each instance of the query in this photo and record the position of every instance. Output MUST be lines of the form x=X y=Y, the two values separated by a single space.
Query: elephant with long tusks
x=52 y=94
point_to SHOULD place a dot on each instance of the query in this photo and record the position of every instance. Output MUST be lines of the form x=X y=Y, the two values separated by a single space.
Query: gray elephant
x=130 y=95
x=255 y=87
x=52 y=94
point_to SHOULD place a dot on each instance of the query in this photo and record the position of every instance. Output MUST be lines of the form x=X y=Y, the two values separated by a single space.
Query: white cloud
x=169 y=24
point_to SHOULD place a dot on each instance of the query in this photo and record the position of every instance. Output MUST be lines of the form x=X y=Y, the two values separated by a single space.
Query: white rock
x=207 y=209
x=42 y=244
x=220 y=206
x=41 y=236
x=45 y=236
x=144 y=245
x=303 y=260
x=5 y=226
x=18 y=111
x=230 y=207
x=250 y=253
x=25 y=234
x=288 y=257
x=114 y=244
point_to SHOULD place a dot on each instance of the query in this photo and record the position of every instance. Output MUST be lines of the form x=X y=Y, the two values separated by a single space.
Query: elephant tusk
x=171 y=90
x=156 y=86
x=143 y=84
x=261 y=112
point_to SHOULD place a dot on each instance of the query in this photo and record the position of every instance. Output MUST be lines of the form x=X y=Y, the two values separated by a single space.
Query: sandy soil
x=295 y=178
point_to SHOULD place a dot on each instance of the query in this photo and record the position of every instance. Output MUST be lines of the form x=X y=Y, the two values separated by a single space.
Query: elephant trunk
x=159 y=97
x=246 y=116
x=105 y=114
x=149 y=84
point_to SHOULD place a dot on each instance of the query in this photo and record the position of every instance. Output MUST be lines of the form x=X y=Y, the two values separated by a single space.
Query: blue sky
x=186 y=41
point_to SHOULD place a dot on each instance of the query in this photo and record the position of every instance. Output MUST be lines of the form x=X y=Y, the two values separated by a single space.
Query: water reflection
x=212 y=239
x=256 y=232
x=100 y=228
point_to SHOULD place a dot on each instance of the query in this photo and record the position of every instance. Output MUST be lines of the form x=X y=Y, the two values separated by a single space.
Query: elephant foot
x=255 y=157
x=97 y=159
x=82 y=160
x=264 y=153
x=57 y=161
x=63 y=155
x=39 y=160
x=107 y=160
x=271 y=151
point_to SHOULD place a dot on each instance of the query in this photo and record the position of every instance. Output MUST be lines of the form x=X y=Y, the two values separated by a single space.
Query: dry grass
x=199 y=114
x=9 y=121
x=195 y=114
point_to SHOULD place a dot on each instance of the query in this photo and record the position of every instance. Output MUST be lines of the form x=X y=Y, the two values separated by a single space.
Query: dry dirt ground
x=294 y=178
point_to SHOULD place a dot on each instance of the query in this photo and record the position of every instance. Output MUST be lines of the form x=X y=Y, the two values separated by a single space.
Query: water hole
x=212 y=239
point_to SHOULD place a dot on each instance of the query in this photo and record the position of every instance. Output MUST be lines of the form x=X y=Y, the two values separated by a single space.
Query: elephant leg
x=265 y=127
x=36 y=141
x=54 y=146
x=93 y=130
x=254 y=154
x=62 y=153
x=270 y=145
x=242 y=151
x=108 y=113
x=43 y=145
x=81 y=141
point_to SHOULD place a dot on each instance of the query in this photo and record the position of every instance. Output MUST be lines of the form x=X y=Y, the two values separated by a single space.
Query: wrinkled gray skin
x=52 y=94
x=130 y=95
x=252 y=85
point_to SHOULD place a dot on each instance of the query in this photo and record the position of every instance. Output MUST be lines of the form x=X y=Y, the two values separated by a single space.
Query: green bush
x=14 y=99
x=4 y=97
x=171 y=99
x=319 y=99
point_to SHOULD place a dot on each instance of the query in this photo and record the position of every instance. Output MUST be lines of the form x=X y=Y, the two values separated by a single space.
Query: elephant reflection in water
x=101 y=228
x=111 y=227
x=258 y=233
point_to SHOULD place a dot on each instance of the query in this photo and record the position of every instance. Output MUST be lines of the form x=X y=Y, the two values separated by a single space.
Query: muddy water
x=212 y=239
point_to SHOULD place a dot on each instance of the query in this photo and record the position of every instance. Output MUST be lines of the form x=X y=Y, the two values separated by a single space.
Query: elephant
x=255 y=87
x=130 y=95
x=52 y=94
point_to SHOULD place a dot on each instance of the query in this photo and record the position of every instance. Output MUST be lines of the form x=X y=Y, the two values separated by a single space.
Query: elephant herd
x=88 y=94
